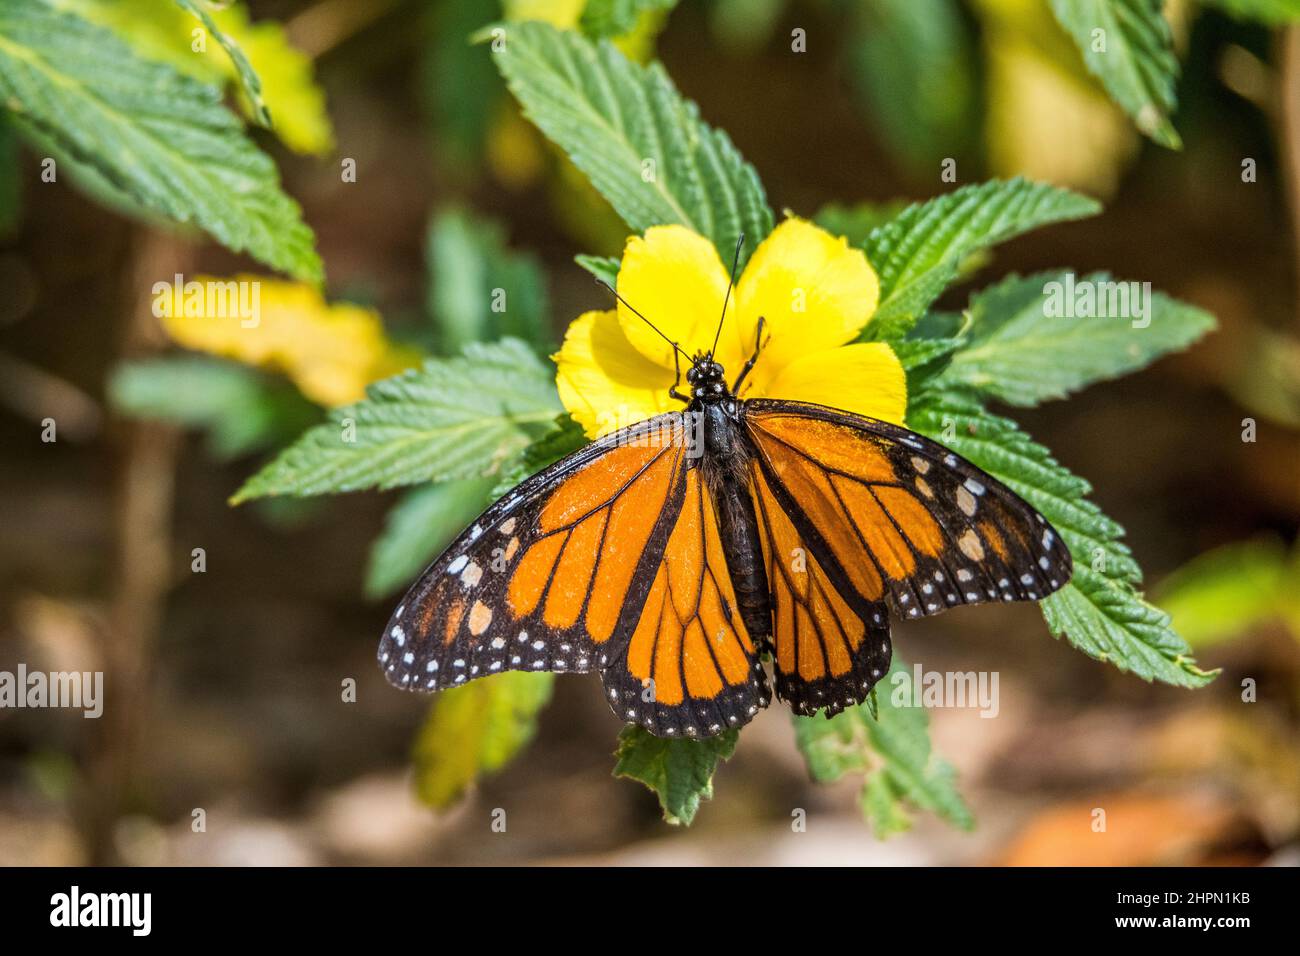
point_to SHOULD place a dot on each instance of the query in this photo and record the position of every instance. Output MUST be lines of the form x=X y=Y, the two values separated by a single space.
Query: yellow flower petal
x=330 y=351
x=675 y=279
x=294 y=99
x=603 y=381
x=865 y=378
x=812 y=289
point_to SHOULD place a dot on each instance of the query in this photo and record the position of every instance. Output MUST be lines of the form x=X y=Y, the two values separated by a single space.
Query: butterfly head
x=706 y=377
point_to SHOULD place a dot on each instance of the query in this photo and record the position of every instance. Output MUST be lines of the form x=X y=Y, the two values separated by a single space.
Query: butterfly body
x=724 y=465
x=677 y=554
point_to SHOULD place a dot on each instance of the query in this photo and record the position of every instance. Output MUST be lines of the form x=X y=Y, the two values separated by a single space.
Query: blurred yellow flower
x=331 y=352
x=564 y=14
x=166 y=32
x=814 y=292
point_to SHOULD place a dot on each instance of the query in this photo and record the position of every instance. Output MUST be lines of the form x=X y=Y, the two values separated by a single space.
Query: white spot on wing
x=965 y=501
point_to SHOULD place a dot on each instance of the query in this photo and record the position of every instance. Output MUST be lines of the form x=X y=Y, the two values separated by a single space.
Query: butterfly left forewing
x=933 y=529
x=552 y=576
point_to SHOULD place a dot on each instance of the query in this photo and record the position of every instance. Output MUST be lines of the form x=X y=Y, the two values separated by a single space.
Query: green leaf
x=418 y=527
x=141 y=135
x=241 y=410
x=916 y=353
x=562 y=438
x=1127 y=44
x=910 y=773
x=680 y=772
x=1028 y=343
x=917 y=254
x=855 y=221
x=476 y=730
x=1271 y=12
x=248 y=78
x=924 y=359
x=479 y=290
x=882 y=807
x=453 y=418
x=640 y=143
x=604 y=268
x=836 y=746
x=616 y=18
x=294 y=99
x=929 y=347
x=893 y=749
x=1100 y=611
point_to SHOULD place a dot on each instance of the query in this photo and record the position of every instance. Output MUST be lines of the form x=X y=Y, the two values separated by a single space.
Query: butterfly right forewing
x=920 y=526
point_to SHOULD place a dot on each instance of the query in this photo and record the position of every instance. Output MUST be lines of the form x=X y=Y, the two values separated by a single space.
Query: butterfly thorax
x=722 y=447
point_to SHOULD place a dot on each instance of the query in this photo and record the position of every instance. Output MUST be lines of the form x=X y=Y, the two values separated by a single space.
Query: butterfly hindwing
x=830 y=642
x=690 y=667
x=909 y=521
x=551 y=577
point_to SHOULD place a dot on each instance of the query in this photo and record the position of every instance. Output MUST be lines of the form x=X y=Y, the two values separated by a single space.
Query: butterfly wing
x=934 y=530
x=690 y=668
x=830 y=640
x=554 y=575
x=889 y=519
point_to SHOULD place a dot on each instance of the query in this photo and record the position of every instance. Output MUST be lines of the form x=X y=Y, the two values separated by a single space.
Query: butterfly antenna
x=740 y=242
x=614 y=292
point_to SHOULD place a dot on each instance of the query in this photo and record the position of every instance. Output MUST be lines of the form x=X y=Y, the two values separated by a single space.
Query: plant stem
x=147 y=453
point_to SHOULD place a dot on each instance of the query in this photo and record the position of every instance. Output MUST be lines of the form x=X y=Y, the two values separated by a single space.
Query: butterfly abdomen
x=726 y=463
x=738 y=528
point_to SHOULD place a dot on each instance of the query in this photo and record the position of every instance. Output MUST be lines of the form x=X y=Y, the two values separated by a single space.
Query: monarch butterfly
x=675 y=554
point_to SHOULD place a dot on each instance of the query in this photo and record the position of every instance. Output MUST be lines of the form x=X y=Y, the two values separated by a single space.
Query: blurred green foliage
x=241 y=410
x=1234 y=589
x=891 y=748
x=475 y=730
x=478 y=290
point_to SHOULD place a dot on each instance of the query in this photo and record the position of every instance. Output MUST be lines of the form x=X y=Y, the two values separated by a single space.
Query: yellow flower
x=814 y=293
x=330 y=351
